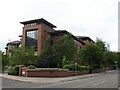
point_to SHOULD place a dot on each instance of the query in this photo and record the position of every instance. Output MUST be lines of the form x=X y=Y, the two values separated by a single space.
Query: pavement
x=50 y=80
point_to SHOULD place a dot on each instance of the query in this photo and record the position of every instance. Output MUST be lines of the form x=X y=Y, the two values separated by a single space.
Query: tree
x=5 y=60
x=23 y=56
x=100 y=44
x=66 y=50
x=91 y=55
x=118 y=59
x=46 y=56
x=52 y=56
x=110 y=58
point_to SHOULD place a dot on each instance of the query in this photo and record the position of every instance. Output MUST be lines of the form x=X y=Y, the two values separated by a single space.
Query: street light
x=116 y=64
x=75 y=68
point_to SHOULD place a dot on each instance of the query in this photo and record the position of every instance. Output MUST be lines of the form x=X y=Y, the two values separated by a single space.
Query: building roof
x=62 y=32
x=39 y=21
x=14 y=43
x=84 y=38
x=20 y=35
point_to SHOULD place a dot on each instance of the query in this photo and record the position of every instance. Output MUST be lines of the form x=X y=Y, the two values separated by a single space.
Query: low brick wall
x=55 y=72
x=50 y=73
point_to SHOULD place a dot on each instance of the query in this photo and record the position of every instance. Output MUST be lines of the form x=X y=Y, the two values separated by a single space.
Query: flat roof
x=61 y=32
x=14 y=42
x=37 y=21
x=84 y=38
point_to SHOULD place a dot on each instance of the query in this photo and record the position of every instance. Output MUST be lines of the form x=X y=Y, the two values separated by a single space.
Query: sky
x=92 y=18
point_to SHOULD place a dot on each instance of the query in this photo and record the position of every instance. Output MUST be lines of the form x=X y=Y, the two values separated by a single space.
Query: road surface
x=107 y=80
x=104 y=80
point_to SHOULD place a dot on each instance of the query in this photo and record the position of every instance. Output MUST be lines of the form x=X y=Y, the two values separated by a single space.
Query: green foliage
x=23 y=56
x=31 y=67
x=70 y=67
x=4 y=68
x=16 y=70
x=65 y=62
x=52 y=56
x=45 y=59
x=96 y=55
x=13 y=70
x=65 y=51
x=100 y=44
x=76 y=67
x=118 y=59
x=5 y=61
x=84 y=67
x=91 y=55
x=110 y=58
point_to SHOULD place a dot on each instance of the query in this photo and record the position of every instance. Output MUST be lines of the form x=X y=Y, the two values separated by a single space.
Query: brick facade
x=44 y=29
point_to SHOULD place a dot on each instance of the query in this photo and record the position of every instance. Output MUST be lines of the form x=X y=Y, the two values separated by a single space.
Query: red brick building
x=36 y=31
x=11 y=46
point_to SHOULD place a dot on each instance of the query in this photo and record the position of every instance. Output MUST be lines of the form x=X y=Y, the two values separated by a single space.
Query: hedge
x=76 y=67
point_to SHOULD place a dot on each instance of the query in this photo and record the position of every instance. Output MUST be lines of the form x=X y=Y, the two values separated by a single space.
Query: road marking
x=103 y=81
x=113 y=78
x=99 y=83
x=96 y=84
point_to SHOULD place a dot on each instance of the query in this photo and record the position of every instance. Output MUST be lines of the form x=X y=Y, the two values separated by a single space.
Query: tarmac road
x=104 y=80
x=107 y=80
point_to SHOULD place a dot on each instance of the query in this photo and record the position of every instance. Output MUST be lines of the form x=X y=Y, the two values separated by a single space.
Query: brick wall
x=51 y=73
x=42 y=34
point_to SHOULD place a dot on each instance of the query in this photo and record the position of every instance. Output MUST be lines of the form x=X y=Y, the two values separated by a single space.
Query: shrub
x=13 y=70
x=16 y=69
x=31 y=67
x=4 y=68
x=72 y=67
x=76 y=67
x=84 y=67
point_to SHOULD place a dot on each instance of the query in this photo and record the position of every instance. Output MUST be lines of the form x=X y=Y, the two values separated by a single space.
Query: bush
x=31 y=67
x=76 y=67
x=13 y=70
x=16 y=69
x=4 y=68
x=72 y=67
x=84 y=67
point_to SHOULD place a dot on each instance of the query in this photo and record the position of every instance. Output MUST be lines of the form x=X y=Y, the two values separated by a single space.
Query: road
x=106 y=80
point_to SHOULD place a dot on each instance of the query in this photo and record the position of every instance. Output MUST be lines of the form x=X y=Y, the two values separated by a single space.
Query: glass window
x=32 y=38
x=31 y=24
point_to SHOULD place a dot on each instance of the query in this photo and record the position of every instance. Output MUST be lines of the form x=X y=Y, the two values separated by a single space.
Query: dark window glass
x=51 y=42
x=32 y=38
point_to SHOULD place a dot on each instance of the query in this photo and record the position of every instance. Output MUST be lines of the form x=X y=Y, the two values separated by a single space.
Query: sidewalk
x=48 y=80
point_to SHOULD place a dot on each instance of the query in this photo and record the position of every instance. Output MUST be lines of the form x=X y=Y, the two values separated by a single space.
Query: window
x=32 y=38
x=31 y=24
x=51 y=42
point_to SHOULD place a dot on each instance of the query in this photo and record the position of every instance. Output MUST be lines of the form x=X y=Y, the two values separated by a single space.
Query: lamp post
x=116 y=64
x=76 y=67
